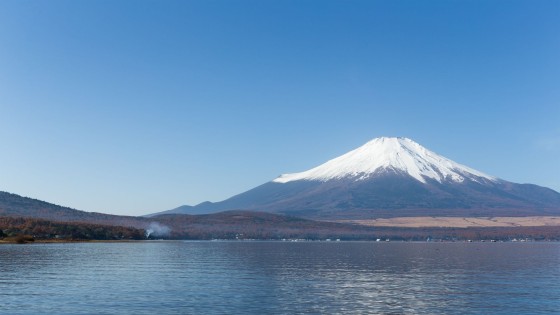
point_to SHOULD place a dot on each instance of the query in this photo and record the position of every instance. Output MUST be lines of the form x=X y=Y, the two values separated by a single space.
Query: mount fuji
x=389 y=177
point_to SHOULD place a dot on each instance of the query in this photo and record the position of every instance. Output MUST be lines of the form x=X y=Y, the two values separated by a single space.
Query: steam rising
x=157 y=230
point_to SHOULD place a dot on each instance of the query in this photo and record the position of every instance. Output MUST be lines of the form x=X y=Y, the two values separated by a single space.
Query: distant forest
x=45 y=229
x=252 y=225
x=260 y=225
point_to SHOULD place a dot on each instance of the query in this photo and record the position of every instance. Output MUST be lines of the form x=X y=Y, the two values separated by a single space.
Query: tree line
x=45 y=229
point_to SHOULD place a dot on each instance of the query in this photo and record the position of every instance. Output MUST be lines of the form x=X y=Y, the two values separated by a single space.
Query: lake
x=254 y=277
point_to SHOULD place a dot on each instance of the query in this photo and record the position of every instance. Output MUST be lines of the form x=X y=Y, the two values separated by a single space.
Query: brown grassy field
x=459 y=222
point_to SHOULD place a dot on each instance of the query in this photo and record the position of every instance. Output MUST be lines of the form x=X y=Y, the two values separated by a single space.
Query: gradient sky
x=133 y=107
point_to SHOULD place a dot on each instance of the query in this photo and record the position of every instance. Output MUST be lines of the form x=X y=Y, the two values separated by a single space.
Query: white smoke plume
x=157 y=230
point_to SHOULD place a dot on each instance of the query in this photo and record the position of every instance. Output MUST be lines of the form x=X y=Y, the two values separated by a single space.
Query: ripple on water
x=280 y=278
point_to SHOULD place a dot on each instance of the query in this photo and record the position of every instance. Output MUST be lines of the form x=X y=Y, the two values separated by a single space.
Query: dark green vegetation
x=23 y=219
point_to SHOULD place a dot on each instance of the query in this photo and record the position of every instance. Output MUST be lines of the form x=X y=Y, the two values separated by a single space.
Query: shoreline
x=542 y=228
x=435 y=241
x=62 y=241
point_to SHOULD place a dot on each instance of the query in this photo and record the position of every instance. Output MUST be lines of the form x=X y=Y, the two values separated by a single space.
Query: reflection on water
x=280 y=278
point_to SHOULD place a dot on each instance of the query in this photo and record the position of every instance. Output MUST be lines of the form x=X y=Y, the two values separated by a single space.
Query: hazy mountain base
x=389 y=195
x=265 y=226
x=241 y=225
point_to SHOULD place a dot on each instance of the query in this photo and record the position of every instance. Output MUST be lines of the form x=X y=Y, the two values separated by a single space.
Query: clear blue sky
x=132 y=107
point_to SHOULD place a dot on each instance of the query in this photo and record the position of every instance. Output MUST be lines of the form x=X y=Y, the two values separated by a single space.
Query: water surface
x=280 y=278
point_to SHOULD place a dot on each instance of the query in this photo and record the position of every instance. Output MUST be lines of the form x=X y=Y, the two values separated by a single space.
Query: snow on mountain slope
x=389 y=177
x=398 y=154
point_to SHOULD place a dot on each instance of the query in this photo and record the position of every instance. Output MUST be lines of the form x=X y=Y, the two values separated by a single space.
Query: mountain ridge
x=389 y=177
x=14 y=205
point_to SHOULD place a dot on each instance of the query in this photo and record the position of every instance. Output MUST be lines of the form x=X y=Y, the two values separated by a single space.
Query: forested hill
x=12 y=205
x=26 y=216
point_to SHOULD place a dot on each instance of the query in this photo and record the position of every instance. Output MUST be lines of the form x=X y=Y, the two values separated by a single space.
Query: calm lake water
x=280 y=278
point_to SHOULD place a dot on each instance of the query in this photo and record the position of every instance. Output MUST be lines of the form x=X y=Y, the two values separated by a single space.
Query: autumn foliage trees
x=44 y=229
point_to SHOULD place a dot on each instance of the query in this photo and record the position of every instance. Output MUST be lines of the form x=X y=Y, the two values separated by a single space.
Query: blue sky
x=132 y=107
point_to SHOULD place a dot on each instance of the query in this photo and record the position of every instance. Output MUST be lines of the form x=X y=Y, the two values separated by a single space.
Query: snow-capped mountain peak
x=390 y=177
x=397 y=154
